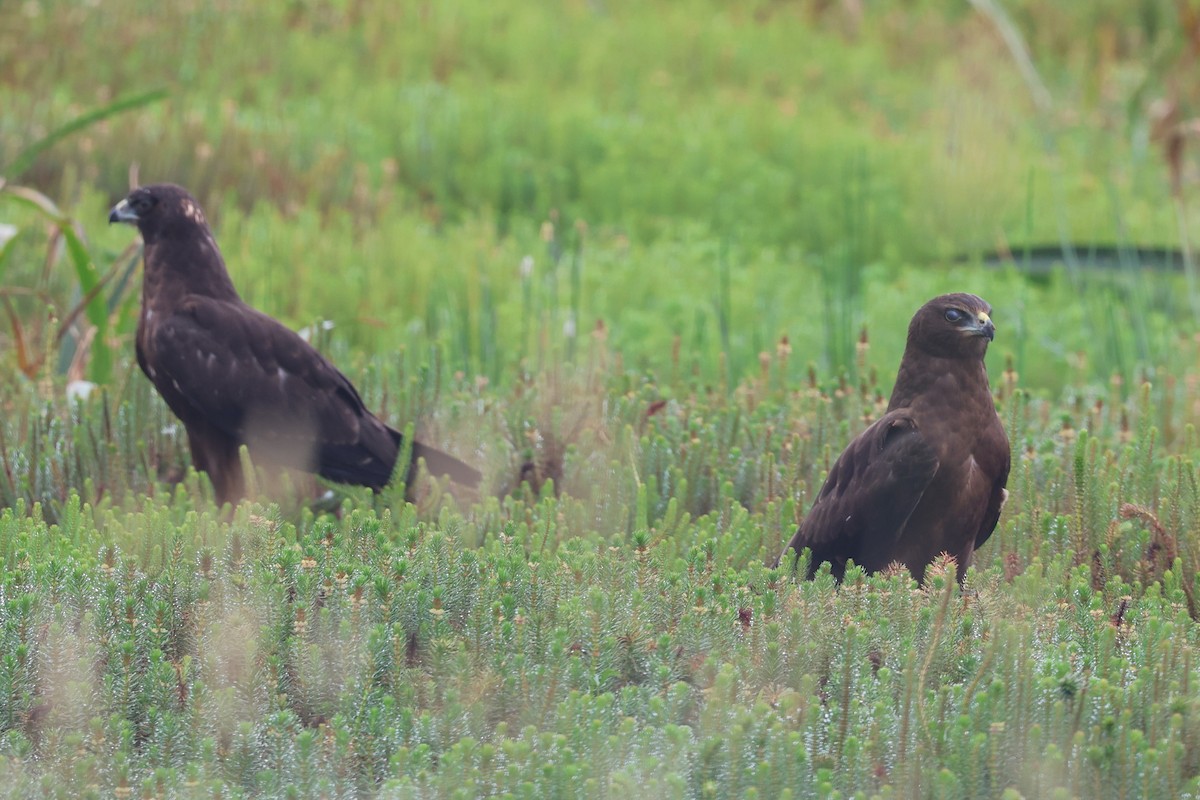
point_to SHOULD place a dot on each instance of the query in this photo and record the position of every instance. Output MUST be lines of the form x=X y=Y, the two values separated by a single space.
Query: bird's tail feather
x=442 y=463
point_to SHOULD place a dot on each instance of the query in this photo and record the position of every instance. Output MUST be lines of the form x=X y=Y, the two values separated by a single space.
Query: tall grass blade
x=26 y=157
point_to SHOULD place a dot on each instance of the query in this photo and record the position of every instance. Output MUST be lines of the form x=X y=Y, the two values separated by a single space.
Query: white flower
x=306 y=332
x=526 y=267
x=78 y=391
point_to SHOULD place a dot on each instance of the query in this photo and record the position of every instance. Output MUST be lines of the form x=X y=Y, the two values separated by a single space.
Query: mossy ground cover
x=655 y=259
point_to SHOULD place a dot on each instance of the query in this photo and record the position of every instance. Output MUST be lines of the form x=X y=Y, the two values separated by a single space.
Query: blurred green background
x=725 y=174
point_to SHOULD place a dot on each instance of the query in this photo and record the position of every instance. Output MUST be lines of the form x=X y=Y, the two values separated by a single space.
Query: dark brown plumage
x=928 y=476
x=235 y=376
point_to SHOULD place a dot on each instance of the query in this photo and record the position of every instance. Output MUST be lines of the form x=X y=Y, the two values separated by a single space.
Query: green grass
x=664 y=253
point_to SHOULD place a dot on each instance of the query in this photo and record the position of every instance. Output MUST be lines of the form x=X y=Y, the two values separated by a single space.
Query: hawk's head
x=161 y=209
x=953 y=326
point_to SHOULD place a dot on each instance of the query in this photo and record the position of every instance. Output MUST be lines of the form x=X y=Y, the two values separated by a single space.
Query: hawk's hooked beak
x=984 y=326
x=123 y=212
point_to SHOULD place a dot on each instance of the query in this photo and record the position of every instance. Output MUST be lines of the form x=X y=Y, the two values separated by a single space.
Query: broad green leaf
x=8 y=234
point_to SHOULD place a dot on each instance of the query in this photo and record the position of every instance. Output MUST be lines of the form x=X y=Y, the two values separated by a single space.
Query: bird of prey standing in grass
x=235 y=376
x=927 y=477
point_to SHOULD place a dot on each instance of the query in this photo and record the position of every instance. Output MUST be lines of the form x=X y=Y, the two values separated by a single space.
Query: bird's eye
x=954 y=315
x=142 y=203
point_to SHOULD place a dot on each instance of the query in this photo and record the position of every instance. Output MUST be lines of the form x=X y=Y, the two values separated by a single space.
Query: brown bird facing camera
x=235 y=376
x=928 y=476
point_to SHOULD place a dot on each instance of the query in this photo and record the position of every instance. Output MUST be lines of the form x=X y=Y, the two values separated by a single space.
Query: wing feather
x=869 y=495
x=999 y=448
x=259 y=382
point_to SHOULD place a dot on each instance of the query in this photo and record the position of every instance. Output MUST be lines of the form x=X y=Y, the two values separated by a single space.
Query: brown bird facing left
x=928 y=476
x=235 y=376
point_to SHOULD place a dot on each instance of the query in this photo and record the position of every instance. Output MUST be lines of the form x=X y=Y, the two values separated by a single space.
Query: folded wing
x=260 y=383
x=869 y=495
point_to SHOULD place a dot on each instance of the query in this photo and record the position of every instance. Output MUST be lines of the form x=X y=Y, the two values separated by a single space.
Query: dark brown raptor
x=928 y=476
x=235 y=376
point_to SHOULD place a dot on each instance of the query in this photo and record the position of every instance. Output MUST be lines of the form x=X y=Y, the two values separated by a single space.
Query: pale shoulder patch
x=193 y=212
